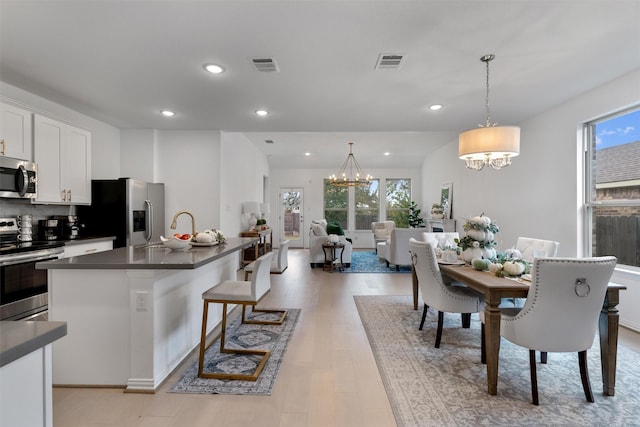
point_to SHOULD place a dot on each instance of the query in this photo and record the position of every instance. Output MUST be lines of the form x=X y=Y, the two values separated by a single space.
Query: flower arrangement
x=478 y=241
x=509 y=264
x=437 y=211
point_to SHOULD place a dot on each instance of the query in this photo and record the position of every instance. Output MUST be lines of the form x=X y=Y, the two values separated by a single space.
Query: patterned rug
x=447 y=386
x=268 y=337
x=368 y=262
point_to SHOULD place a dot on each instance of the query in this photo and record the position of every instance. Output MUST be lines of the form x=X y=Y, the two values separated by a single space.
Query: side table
x=331 y=260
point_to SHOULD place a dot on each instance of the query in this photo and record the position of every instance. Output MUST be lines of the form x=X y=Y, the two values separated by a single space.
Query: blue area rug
x=368 y=262
x=247 y=336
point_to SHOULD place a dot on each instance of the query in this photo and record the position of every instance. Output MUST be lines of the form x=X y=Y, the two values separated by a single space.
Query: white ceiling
x=123 y=61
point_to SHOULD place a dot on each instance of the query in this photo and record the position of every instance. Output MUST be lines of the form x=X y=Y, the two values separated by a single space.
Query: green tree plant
x=415 y=220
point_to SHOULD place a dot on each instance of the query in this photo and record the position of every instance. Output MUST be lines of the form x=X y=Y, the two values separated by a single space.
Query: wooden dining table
x=495 y=288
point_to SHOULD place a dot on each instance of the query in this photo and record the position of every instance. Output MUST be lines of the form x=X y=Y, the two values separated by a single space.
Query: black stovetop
x=13 y=247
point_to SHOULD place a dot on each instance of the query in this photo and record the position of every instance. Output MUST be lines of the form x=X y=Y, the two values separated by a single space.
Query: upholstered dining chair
x=244 y=293
x=279 y=261
x=449 y=298
x=531 y=248
x=561 y=311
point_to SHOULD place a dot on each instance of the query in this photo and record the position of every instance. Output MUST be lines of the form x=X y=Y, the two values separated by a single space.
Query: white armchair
x=317 y=236
x=561 y=313
x=396 y=250
x=382 y=231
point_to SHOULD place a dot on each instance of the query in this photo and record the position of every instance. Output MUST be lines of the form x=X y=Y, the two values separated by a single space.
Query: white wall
x=241 y=176
x=539 y=195
x=312 y=183
x=105 y=139
x=138 y=154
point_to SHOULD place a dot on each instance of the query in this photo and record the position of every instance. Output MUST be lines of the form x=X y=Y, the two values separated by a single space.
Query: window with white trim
x=612 y=184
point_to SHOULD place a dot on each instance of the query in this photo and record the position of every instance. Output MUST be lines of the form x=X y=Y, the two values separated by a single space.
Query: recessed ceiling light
x=307 y=154
x=167 y=113
x=213 y=68
x=387 y=153
x=262 y=113
x=435 y=107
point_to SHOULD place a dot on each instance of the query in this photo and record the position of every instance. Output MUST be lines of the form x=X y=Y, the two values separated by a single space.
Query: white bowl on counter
x=176 y=244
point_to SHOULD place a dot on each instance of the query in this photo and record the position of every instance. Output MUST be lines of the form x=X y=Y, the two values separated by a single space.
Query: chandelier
x=489 y=145
x=350 y=174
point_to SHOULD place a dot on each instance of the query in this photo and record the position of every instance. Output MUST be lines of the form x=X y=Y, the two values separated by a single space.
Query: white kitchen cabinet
x=15 y=132
x=63 y=155
x=88 y=247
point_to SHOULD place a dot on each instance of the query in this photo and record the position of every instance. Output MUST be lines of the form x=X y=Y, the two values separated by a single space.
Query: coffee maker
x=48 y=229
x=68 y=226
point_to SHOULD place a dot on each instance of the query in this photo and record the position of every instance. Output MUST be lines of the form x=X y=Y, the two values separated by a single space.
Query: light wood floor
x=328 y=376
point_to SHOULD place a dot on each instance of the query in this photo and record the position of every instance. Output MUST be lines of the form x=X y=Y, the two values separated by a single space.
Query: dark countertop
x=19 y=338
x=153 y=257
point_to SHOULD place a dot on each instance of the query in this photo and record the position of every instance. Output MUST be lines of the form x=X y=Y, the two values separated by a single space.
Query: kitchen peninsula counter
x=150 y=257
x=133 y=314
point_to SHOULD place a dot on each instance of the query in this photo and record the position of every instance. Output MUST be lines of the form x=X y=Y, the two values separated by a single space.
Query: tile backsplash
x=15 y=207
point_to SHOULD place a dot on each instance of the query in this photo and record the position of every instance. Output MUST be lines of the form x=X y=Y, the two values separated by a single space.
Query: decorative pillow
x=319 y=230
x=335 y=228
x=322 y=222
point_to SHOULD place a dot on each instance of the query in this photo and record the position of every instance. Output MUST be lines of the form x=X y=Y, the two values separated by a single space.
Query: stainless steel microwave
x=18 y=178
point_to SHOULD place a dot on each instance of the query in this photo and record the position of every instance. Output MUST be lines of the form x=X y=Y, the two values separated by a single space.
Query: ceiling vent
x=390 y=61
x=265 y=65
x=269 y=141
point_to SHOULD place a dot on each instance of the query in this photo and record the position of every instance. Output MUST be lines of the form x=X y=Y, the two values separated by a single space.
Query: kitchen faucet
x=174 y=223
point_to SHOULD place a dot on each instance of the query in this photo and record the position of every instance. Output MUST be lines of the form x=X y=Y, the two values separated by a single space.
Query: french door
x=291 y=216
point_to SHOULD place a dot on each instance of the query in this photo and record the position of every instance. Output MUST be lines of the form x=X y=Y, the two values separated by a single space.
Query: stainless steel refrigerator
x=130 y=210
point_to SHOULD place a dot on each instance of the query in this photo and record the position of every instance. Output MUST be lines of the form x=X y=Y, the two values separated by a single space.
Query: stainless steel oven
x=18 y=178
x=23 y=288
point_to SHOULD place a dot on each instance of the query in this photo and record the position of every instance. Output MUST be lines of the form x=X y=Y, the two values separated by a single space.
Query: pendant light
x=489 y=145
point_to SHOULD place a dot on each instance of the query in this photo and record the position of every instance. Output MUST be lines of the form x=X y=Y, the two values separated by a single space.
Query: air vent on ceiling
x=265 y=65
x=390 y=61
x=269 y=141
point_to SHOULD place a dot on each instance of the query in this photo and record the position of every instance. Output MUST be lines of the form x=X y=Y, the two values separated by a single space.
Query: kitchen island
x=133 y=313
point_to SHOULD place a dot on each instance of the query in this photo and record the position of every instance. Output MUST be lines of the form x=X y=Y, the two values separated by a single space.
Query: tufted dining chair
x=561 y=311
x=449 y=298
x=531 y=248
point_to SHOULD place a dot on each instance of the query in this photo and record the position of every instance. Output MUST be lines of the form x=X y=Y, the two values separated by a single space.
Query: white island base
x=130 y=327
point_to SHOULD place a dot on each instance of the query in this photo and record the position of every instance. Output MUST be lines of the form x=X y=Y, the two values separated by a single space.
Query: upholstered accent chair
x=382 y=231
x=561 y=312
x=396 y=250
x=450 y=298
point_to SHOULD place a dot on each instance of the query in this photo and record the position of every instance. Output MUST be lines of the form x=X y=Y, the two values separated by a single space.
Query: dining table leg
x=492 y=341
x=608 y=331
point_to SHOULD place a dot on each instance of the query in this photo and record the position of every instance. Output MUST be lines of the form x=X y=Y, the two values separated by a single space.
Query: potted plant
x=437 y=211
x=415 y=220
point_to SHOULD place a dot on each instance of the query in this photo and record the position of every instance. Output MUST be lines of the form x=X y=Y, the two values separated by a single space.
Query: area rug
x=248 y=336
x=447 y=386
x=368 y=262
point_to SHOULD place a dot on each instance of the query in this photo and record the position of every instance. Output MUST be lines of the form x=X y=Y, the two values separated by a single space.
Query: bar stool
x=245 y=293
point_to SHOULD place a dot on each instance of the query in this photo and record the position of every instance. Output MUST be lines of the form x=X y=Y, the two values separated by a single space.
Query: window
x=367 y=205
x=398 y=200
x=336 y=203
x=355 y=208
x=612 y=182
